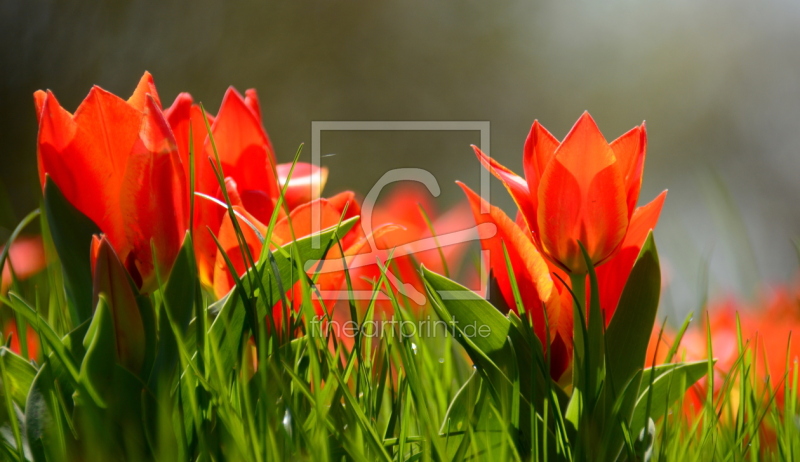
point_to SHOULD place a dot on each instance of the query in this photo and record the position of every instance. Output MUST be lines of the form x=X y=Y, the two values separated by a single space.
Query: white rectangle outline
x=317 y=127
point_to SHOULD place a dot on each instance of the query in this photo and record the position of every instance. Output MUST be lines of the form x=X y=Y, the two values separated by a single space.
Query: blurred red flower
x=25 y=258
x=768 y=328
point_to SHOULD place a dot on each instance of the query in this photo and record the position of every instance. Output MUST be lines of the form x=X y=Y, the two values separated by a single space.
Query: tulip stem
x=578 y=283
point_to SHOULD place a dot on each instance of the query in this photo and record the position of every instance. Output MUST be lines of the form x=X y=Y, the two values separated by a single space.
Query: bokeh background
x=718 y=83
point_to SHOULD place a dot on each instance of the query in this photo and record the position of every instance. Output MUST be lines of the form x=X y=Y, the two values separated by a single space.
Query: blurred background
x=718 y=83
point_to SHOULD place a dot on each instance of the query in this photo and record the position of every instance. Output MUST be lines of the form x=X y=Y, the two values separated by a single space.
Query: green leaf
x=226 y=330
x=60 y=348
x=477 y=325
x=98 y=365
x=671 y=382
x=44 y=425
x=654 y=373
x=595 y=359
x=617 y=417
x=463 y=407
x=180 y=299
x=509 y=358
x=179 y=294
x=112 y=280
x=20 y=374
x=72 y=234
x=629 y=332
x=287 y=274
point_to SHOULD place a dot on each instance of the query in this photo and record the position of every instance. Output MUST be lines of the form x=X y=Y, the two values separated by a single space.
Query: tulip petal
x=251 y=100
x=182 y=115
x=540 y=146
x=113 y=127
x=152 y=199
x=145 y=87
x=613 y=274
x=582 y=198
x=331 y=275
x=306 y=179
x=516 y=186
x=559 y=314
x=530 y=269
x=346 y=203
x=25 y=257
x=83 y=154
x=38 y=101
x=243 y=147
x=630 y=150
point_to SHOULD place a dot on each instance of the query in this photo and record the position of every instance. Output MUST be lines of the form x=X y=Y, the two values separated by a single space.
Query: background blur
x=717 y=81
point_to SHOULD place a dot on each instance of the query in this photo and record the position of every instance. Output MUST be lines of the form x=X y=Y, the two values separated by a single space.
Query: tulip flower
x=585 y=190
x=582 y=190
x=252 y=178
x=117 y=162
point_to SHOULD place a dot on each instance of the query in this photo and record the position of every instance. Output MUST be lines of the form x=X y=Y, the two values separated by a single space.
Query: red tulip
x=117 y=162
x=584 y=190
x=253 y=180
x=580 y=190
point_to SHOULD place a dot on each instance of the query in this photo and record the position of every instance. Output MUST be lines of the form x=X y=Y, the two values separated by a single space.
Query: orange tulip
x=583 y=190
x=580 y=190
x=253 y=179
x=117 y=162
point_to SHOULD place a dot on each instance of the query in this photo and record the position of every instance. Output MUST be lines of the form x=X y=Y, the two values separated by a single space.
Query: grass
x=309 y=397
